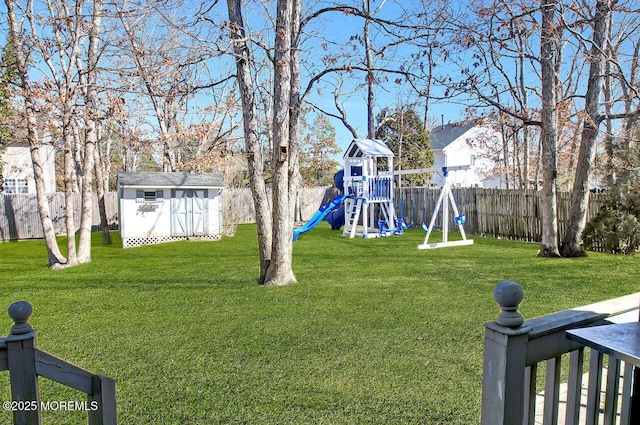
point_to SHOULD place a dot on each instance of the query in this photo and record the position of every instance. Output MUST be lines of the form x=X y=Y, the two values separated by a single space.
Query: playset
x=367 y=183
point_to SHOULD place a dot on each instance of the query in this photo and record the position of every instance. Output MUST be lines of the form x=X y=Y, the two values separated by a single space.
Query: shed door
x=189 y=212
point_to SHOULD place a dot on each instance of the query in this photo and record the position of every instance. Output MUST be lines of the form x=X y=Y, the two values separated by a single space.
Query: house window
x=16 y=186
x=472 y=160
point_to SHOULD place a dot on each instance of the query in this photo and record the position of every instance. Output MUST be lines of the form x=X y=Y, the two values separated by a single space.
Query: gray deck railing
x=25 y=363
x=517 y=351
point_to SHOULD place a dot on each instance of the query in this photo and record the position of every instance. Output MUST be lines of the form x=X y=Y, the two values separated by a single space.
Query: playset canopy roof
x=368 y=147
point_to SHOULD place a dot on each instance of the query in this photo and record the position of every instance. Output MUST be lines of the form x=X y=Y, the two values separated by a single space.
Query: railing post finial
x=20 y=311
x=509 y=295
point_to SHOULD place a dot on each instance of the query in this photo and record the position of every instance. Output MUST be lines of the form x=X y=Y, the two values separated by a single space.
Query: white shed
x=164 y=207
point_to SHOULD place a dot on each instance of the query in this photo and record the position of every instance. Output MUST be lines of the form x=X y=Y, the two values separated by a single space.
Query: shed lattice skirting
x=149 y=240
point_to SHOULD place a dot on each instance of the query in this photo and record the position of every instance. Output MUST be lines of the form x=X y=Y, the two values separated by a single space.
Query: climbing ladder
x=353 y=207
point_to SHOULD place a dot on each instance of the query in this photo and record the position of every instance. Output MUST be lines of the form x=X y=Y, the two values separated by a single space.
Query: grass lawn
x=376 y=331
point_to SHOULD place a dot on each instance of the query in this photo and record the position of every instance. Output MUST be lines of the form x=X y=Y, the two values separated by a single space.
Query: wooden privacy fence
x=496 y=213
x=19 y=218
x=239 y=208
x=25 y=363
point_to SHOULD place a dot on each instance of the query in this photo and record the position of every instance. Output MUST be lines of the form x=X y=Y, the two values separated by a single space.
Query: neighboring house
x=164 y=207
x=17 y=171
x=465 y=144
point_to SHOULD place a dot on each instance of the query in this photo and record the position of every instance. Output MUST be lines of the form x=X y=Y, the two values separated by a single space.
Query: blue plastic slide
x=335 y=218
x=318 y=216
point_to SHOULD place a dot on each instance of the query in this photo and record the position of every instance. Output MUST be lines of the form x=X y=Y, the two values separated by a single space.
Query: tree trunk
x=371 y=128
x=427 y=90
x=91 y=122
x=524 y=183
x=69 y=184
x=609 y=138
x=169 y=162
x=76 y=180
x=255 y=158
x=572 y=241
x=623 y=152
x=505 y=155
x=296 y=110
x=549 y=49
x=102 y=187
x=280 y=270
x=54 y=255
x=100 y=190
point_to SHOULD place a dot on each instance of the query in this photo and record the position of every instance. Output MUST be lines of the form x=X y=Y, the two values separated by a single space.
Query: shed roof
x=369 y=147
x=162 y=180
x=443 y=135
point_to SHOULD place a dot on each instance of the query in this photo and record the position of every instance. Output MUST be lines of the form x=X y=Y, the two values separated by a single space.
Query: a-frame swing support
x=446 y=198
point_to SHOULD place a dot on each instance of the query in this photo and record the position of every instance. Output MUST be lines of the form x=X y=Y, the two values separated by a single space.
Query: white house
x=465 y=144
x=163 y=207
x=17 y=171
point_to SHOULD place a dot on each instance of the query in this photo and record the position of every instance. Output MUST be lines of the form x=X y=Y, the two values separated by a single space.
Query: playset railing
x=517 y=352
x=376 y=189
x=25 y=363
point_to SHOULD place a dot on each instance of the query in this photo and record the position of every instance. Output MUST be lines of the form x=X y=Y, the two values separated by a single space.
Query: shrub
x=615 y=228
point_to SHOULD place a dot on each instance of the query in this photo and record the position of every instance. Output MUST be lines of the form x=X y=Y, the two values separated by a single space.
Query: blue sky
x=388 y=94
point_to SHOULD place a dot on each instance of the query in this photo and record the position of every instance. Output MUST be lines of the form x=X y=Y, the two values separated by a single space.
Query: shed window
x=149 y=195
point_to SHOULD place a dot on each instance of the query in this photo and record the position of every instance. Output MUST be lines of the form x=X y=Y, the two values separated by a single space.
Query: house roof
x=443 y=135
x=369 y=147
x=162 y=180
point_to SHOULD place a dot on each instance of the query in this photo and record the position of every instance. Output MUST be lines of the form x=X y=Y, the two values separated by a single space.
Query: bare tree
x=623 y=79
x=550 y=51
x=60 y=52
x=501 y=71
x=253 y=148
x=22 y=52
x=500 y=78
x=160 y=68
x=280 y=270
x=57 y=33
x=378 y=53
x=571 y=245
x=91 y=119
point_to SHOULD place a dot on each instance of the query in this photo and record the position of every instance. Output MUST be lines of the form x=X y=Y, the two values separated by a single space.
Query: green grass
x=376 y=331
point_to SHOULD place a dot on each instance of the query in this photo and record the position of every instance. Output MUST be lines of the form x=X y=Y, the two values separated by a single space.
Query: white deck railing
x=517 y=351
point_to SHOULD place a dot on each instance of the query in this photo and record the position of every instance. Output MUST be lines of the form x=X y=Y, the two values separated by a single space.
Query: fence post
x=505 y=352
x=21 y=344
x=104 y=394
